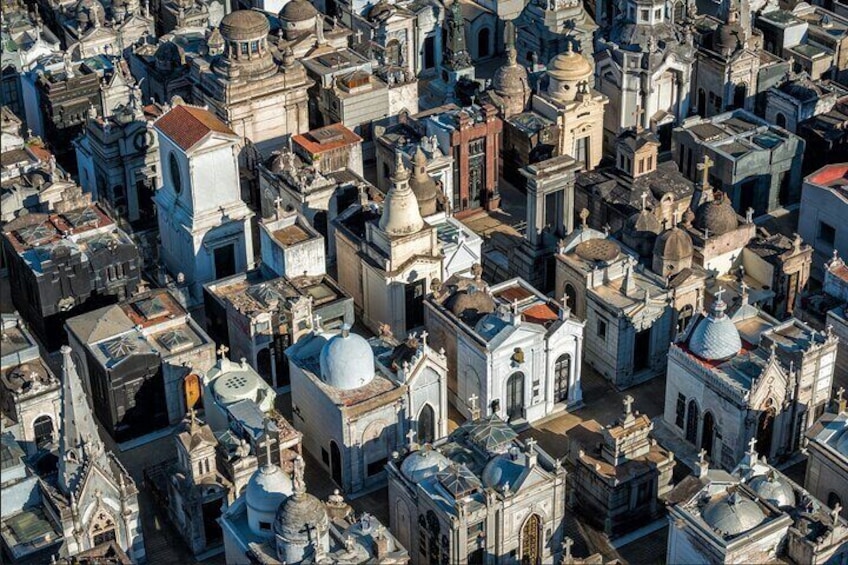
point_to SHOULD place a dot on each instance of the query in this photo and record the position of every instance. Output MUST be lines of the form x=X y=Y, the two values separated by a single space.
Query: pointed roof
x=189 y=125
x=401 y=215
x=79 y=442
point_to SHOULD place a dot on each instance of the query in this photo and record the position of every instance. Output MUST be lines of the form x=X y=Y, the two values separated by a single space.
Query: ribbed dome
x=717 y=216
x=715 y=337
x=268 y=488
x=570 y=67
x=244 y=25
x=400 y=209
x=299 y=516
x=347 y=361
x=673 y=245
x=733 y=515
x=423 y=186
x=423 y=463
x=774 y=489
x=511 y=79
x=298 y=11
x=643 y=221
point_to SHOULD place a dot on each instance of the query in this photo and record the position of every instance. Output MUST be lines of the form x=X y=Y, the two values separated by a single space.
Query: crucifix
x=358 y=35
x=628 y=404
x=704 y=168
x=222 y=351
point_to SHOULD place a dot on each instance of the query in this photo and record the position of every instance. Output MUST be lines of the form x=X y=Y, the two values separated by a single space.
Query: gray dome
x=298 y=11
x=733 y=515
x=422 y=464
x=774 y=489
x=299 y=516
x=347 y=361
x=715 y=337
x=503 y=470
x=717 y=216
x=268 y=488
x=673 y=245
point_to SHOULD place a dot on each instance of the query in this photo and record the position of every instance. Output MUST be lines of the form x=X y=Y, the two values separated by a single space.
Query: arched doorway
x=570 y=294
x=483 y=37
x=426 y=425
x=531 y=541
x=765 y=428
x=319 y=222
x=780 y=120
x=515 y=396
x=335 y=463
x=740 y=94
x=708 y=434
x=42 y=430
x=692 y=423
x=263 y=366
x=562 y=371
x=702 y=102
x=833 y=499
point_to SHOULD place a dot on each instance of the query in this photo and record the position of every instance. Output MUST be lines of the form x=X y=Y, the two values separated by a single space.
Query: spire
x=509 y=35
x=299 y=483
x=401 y=215
x=78 y=438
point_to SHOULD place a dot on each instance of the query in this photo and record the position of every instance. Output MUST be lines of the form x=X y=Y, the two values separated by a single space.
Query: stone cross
x=704 y=168
x=266 y=441
x=410 y=437
x=644 y=198
x=584 y=216
x=424 y=336
x=702 y=457
x=316 y=321
x=638 y=113
x=277 y=202
x=839 y=392
x=358 y=35
x=472 y=400
x=530 y=444
x=566 y=547
x=719 y=294
x=628 y=404
x=222 y=351
x=749 y=216
x=834 y=513
x=752 y=445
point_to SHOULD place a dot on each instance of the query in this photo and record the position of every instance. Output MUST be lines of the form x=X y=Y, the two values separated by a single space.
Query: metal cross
x=222 y=351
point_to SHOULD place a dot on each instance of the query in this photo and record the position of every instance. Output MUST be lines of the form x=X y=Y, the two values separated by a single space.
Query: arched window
x=780 y=120
x=562 y=371
x=570 y=294
x=42 y=431
x=393 y=53
x=708 y=434
x=692 y=417
x=765 y=428
x=833 y=499
x=426 y=425
x=336 y=462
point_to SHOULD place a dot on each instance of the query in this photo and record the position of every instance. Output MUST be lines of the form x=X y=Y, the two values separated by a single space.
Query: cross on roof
x=266 y=441
x=704 y=168
x=644 y=198
x=567 y=544
x=222 y=351
x=834 y=513
x=410 y=436
x=472 y=400
x=530 y=444
x=719 y=293
x=702 y=457
x=839 y=392
x=628 y=404
x=638 y=113
x=423 y=337
x=752 y=445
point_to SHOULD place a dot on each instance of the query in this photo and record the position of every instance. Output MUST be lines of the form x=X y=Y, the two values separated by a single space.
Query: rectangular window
x=650 y=163
x=581 y=149
x=477 y=146
x=264 y=526
x=602 y=329
x=641 y=166
x=680 y=415
x=244 y=48
x=827 y=234
x=644 y=15
x=658 y=14
x=254 y=47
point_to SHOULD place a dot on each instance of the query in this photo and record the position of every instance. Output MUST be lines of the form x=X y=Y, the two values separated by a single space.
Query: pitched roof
x=188 y=125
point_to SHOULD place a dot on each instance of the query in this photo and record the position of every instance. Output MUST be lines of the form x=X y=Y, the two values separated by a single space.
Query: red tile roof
x=325 y=139
x=188 y=125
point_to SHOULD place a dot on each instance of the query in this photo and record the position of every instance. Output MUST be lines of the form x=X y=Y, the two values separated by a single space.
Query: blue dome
x=347 y=361
x=268 y=488
x=503 y=470
x=715 y=337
